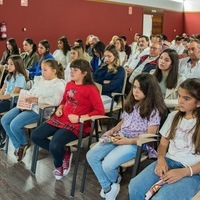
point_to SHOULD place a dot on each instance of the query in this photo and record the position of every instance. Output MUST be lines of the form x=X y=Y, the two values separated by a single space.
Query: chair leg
x=94 y=125
x=7 y=144
x=84 y=176
x=77 y=161
x=34 y=158
x=75 y=172
x=137 y=161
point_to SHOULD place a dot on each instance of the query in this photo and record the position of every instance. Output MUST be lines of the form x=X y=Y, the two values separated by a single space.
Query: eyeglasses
x=154 y=48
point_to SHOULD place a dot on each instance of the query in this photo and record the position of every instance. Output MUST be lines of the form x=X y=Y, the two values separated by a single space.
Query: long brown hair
x=153 y=99
x=19 y=68
x=192 y=86
x=116 y=63
x=172 y=77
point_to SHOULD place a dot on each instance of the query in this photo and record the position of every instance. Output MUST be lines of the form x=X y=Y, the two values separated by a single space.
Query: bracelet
x=191 y=171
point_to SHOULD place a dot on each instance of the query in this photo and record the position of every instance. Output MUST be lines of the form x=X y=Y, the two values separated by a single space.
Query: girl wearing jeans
x=47 y=88
x=14 y=81
x=178 y=164
x=142 y=115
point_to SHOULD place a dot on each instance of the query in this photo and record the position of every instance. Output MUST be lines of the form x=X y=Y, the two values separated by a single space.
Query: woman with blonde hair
x=76 y=52
x=110 y=75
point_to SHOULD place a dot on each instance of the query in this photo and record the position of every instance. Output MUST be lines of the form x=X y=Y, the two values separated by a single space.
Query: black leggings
x=56 y=145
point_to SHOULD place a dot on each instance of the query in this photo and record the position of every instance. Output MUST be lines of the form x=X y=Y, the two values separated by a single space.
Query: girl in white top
x=167 y=75
x=62 y=54
x=119 y=44
x=47 y=89
x=76 y=52
x=178 y=165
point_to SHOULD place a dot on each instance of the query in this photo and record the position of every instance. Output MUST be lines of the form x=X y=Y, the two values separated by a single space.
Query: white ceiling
x=176 y=5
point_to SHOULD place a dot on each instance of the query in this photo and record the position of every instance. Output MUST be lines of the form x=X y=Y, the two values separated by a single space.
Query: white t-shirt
x=61 y=58
x=181 y=148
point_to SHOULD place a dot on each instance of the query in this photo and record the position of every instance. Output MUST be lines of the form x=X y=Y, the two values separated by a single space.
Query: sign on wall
x=24 y=2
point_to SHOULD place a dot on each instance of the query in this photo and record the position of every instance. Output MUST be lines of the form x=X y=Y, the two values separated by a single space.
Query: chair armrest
x=14 y=94
x=146 y=138
x=149 y=135
x=45 y=105
x=96 y=117
x=84 y=119
x=113 y=94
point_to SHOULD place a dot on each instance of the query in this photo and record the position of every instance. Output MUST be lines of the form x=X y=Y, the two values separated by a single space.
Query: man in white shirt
x=178 y=47
x=190 y=67
x=143 y=49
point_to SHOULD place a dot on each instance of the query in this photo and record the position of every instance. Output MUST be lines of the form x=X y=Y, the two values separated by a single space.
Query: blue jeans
x=183 y=189
x=13 y=123
x=105 y=159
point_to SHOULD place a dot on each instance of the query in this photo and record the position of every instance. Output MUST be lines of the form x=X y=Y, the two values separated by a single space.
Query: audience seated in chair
x=134 y=58
x=98 y=58
x=168 y=77
x=11 y=49
x=81 y=99
x=190 y=67
x=119 y=44
x=178 y=164
x=29 y=56
x=14 y=82
x=48 y=89
x=62 y=54
x=142 y=108
x=75 y=53
x=110 y=75
x=44 y=52
x=147 y=62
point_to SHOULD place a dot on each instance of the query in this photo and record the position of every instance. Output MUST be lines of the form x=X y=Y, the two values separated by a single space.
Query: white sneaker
x=102 y=194
x=115 y=187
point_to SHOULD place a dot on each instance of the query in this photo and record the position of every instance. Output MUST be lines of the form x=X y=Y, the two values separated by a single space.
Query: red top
x=78 y=100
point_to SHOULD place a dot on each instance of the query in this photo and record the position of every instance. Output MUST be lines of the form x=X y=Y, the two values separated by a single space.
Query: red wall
x=48 y=19
x=192 y=25
x=172 y=24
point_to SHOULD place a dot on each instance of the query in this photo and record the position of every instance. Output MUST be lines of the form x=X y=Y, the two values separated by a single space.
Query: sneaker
x=115 y=187
x=58 y=173
x=67 y=161
x=102 y=194
x=22 y=152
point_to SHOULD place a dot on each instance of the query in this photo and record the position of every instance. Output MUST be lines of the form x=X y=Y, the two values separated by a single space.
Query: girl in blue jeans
x=142 y=115
x=14 y=81
x=47 y=88
x=178 y=164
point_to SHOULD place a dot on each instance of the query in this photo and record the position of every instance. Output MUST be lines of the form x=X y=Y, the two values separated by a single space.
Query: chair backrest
x=29 y=84
x=99 y=87
x=2 y=70
x=125 y=81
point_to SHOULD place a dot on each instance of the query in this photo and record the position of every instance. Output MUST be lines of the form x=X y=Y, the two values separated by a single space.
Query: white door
x=147 y=25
